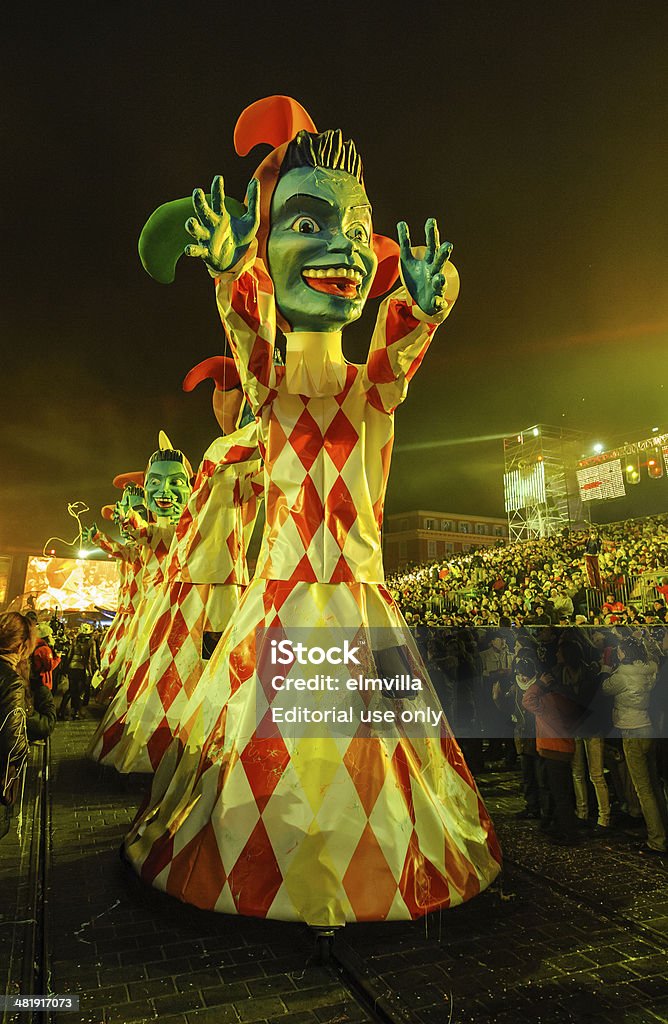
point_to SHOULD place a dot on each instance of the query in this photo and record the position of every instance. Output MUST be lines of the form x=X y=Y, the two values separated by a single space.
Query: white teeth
x=347 y=272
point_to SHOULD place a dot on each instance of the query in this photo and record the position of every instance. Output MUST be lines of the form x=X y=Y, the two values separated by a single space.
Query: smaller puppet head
x=167 y=481
x=132 y=499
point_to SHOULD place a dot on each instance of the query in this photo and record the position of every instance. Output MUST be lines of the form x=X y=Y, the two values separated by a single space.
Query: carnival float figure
x=256 y=817
x=166 y=485
x=205 y=575
x=130 y=566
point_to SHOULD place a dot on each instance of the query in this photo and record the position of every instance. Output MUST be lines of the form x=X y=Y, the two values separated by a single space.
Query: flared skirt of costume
x=145 y=713
x=114 y=646
x=327 y=829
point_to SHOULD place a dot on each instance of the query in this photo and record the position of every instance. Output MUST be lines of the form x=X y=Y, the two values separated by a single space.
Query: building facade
x=411 y=538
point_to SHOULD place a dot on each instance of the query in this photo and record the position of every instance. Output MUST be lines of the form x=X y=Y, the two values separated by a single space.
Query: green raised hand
x=221 y=238
x=422 y=274
x=88 y=533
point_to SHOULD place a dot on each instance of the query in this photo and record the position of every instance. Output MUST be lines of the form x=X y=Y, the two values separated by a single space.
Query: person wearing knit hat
x=251 y=816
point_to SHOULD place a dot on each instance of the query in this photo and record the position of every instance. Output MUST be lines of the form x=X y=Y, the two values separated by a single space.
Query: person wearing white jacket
x=631 y=686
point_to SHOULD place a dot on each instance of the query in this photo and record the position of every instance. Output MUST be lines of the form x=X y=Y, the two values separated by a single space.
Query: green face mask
x=319 y=250
x=167 y=489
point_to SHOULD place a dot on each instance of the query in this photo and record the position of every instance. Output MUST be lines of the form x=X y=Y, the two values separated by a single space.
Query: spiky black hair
x=167 y=455
x=327 y=149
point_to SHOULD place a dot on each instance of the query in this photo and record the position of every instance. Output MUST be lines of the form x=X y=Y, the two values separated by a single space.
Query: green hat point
x=164 y=236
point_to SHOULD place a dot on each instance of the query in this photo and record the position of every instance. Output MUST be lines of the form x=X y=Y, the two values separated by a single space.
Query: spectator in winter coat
x=537 y=801
x=557 y=714
x=43 y=661
x=16 y=643
x=631 y=686
x=41 y=711
x=81 y=665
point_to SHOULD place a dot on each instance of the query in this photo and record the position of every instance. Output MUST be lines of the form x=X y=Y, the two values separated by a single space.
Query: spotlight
x=82 y=553
x=598 y=448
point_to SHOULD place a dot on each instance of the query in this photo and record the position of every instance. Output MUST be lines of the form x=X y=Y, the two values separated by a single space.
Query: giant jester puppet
x=130 y=571
x=166 y=484
x=205 y=575
x=257 y=817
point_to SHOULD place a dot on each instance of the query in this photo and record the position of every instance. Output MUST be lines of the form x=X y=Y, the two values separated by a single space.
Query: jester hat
x=276 y=121
x=223 y=372
x=138 y=477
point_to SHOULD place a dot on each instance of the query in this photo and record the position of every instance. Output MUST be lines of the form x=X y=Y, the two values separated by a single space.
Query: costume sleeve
x=612 y=685
x=13 y=736
x=251 y=484
x=146 y=534
x=42 y=721
x=400 y=340
x=245 y=298
x=112 y=547
x=43 y=663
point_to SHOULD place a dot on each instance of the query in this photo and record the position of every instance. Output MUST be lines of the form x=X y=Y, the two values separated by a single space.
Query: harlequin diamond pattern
x=368 y=881
x=340 y=439
x=166 y=651
x=318 y=830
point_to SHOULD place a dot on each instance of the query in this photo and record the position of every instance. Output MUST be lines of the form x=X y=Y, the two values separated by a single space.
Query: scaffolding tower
x=540 y=488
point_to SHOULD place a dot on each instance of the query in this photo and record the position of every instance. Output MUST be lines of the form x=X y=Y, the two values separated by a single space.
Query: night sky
x=536 y=133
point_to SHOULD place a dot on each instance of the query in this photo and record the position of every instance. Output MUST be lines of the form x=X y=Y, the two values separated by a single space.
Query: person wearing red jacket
x=557 y=713
x=43 y=660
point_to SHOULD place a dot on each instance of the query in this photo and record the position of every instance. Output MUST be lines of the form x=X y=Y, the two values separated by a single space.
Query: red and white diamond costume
x=336 y=829
x=153 y=541
x=205 y=576
x=130 y=568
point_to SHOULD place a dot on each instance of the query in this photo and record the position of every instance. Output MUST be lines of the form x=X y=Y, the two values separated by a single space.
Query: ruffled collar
x=314 y=364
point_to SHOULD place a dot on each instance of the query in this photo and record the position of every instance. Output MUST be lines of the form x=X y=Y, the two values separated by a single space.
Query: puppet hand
x=88 y=533
x=222 y=239
x=422 y=274
x=120 y=512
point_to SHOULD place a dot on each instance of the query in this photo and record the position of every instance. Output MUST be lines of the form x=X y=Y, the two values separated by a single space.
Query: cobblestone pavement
x=569 y=934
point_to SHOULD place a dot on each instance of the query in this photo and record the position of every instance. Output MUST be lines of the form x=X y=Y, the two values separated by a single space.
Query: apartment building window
x=431 y=549
x=446 y=525
x=480 y=528
x=430 y=524
x=464 y=527
x=498 y=531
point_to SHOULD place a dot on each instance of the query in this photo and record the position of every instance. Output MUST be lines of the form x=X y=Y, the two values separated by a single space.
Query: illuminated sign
x=524 y=487
x=602 y=481
x=72 y=584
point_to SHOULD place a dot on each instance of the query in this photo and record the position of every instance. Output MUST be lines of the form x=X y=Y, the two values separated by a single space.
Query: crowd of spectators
x=581 y=711
x=38 y=652
x=551 y=656
x=545 y=581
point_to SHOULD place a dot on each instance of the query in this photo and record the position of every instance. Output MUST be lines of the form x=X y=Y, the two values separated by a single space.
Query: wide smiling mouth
x=165 y=503
x=343 y=282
